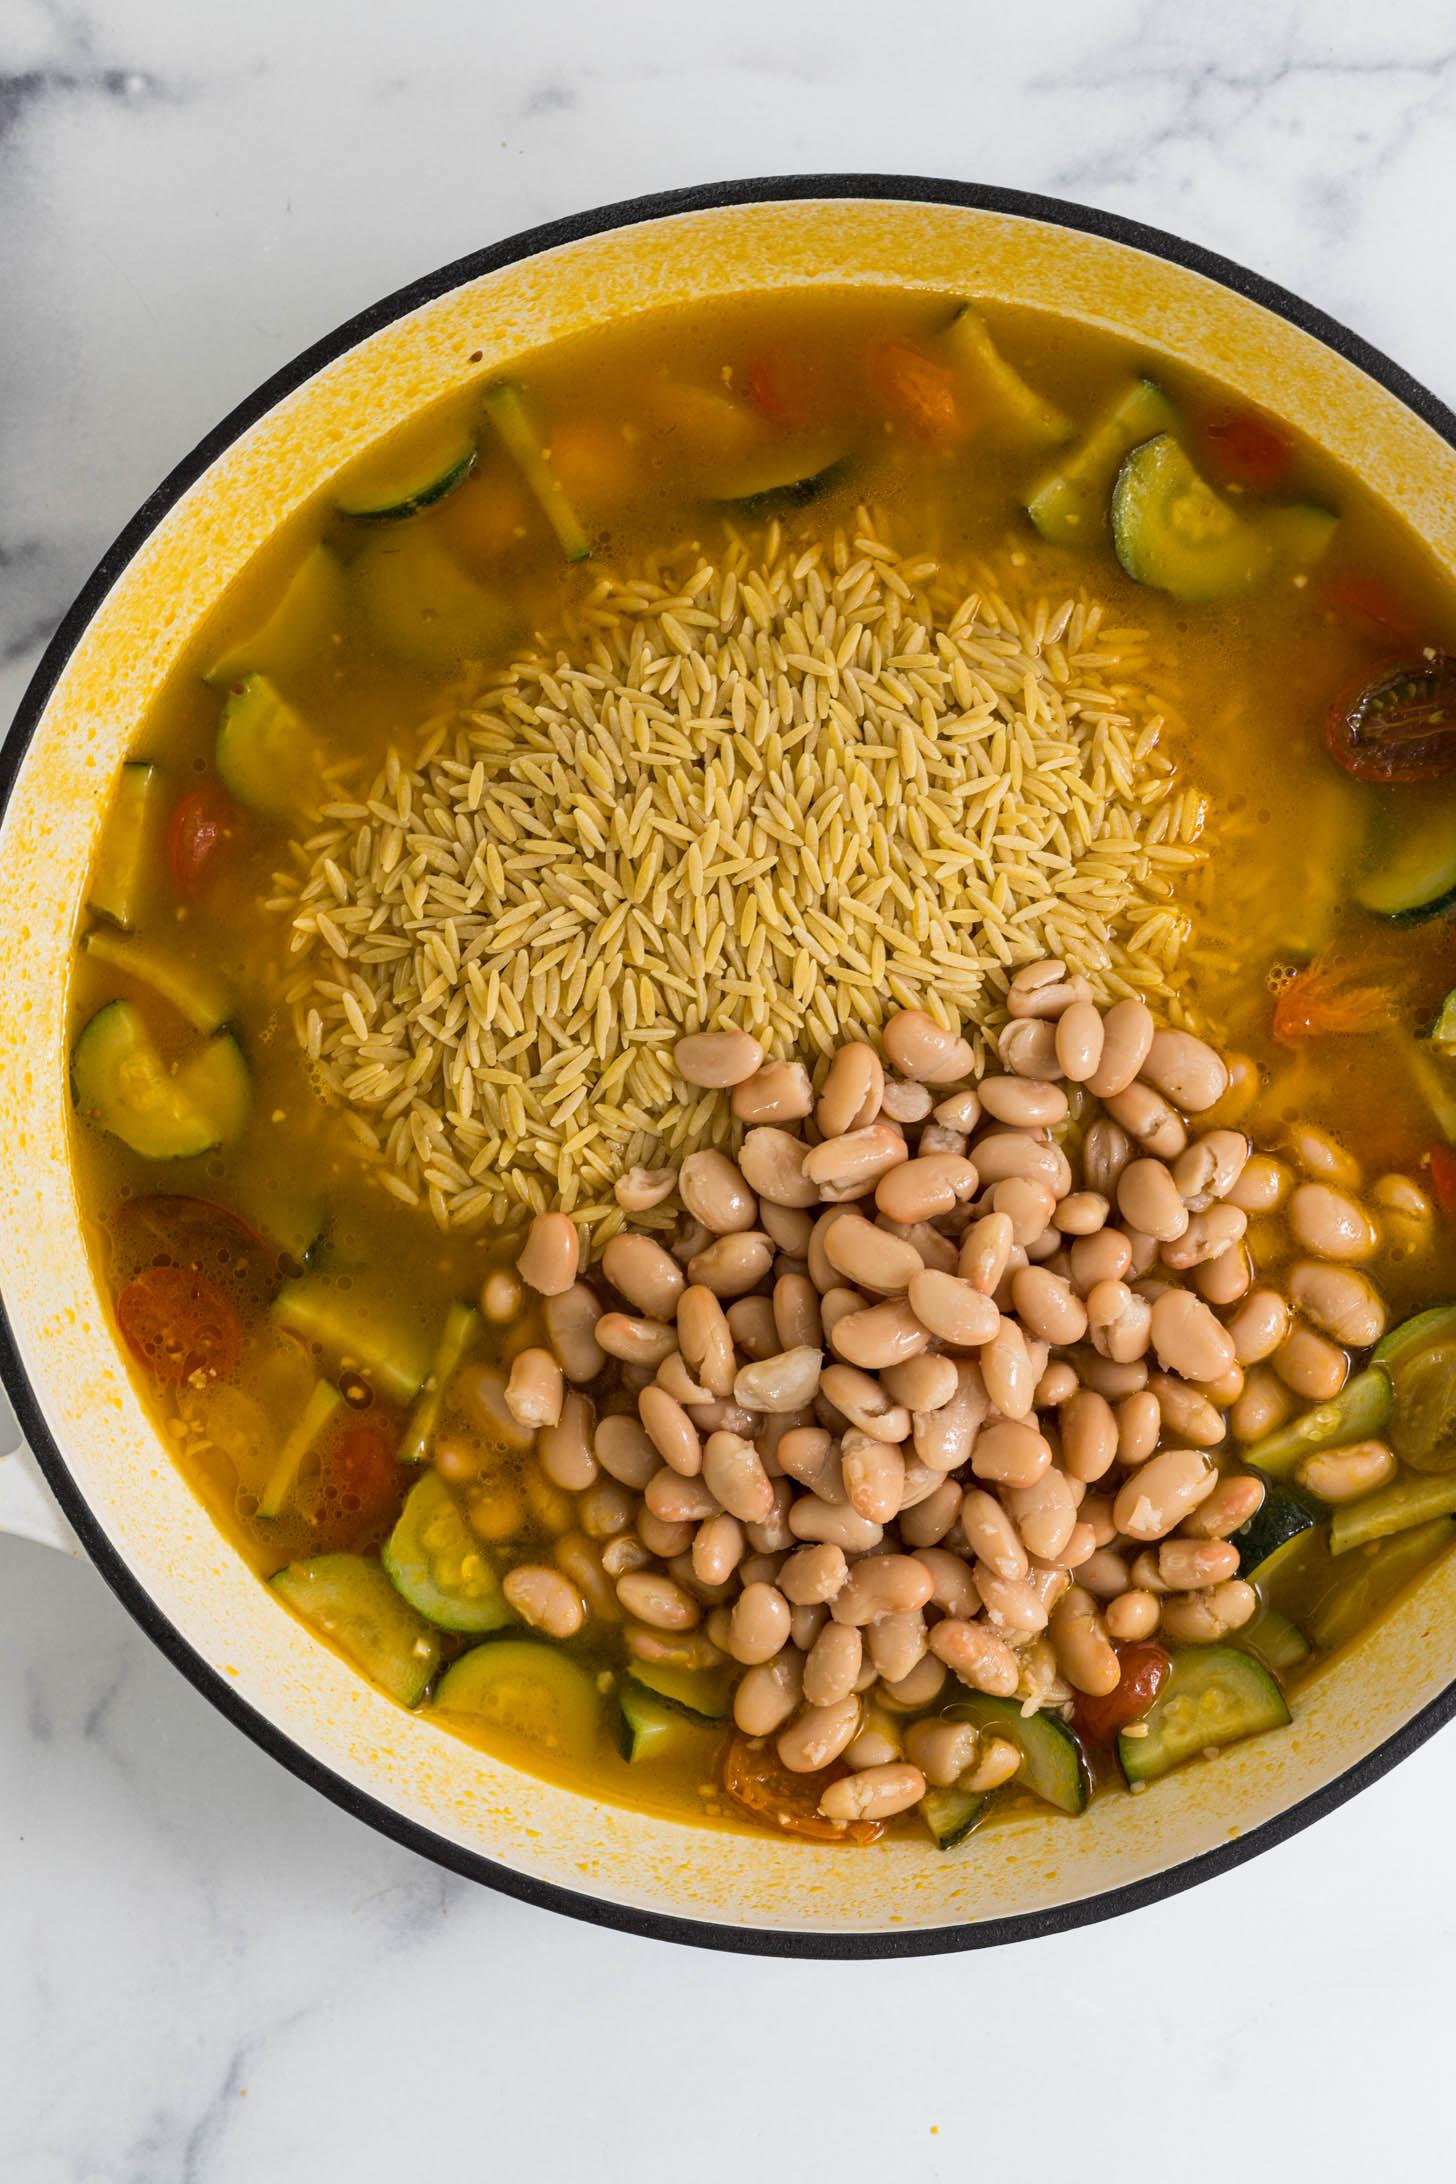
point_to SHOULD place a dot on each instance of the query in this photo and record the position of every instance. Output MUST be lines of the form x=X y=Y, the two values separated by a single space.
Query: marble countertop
x=207 y=1974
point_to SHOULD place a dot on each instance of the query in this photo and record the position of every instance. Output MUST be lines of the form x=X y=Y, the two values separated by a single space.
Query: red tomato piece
x=1371 y=607
x=1442 y=1164
x=760 y=1785
x=777 y=384
x=202 y=827
x=1144 y=1672
x=1336 y=996
x=1401 y=726
x=180 y=1325
x=917 y=393
x=1247 y=450
x=359 y=1488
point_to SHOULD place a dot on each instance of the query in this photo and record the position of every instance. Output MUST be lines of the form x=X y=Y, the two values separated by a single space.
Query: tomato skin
x=1335 y=996
x=1247 y=450
x=1441 y=1161
x=1371 y=607
x=180 y=1325
x=1144 y=1672
x=760 y=1785
x=204 y=824
x=775 y=384
x=1401 y=726
x=918 y=393
x=360 y=1486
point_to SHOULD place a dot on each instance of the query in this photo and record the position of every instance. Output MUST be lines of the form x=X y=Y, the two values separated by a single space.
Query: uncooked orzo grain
x=785 y=787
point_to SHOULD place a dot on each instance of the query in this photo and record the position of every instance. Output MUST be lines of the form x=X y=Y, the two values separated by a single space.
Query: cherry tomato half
x=758 y=1782
x=1336 y=996
x=359 y=1488
x=1401 y=726
x=917 y=393
x=1371 y=608
x=1441 y=1162
x=1247 y=450
x=202 y=827
x=1144 y=1672
x=180 y=1325
x=777 y=383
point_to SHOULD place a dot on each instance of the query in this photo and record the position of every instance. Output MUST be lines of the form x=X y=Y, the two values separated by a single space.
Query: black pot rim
x=756 y=1941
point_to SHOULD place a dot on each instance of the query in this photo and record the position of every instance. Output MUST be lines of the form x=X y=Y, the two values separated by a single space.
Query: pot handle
x=27 y=1507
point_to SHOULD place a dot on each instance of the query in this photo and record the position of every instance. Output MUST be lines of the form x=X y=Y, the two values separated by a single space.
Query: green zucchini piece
x=1422 y=1425
x=423 y=608
x=392 y=483
x=1369 y=1580
x=1299 y=533
x=1393 y=1508
x=462 y=1330
x=1280 y=1644
x=508 y=413
x=351 y=1602
x=784 y=478
x=264 y=753
x=1355 y=1414
x=1053 y=1764
x=435 y=1562
x=1411 y=861
x=702 y=1694
x=297 y=630
x=1407 y=1339
x=529 y=1690
x=1027 y=416
x=1214 y=1696
x=120 y=1081
x=129 y=855
x=648 y=1727
x=199 y=994
x=950 y=1815
x=1068 y=505
x=317 y=1413
x=1443 y=1031
x=1289 y=1574
x=1173 y=532
x=1278 y=1519
x=347 y=1325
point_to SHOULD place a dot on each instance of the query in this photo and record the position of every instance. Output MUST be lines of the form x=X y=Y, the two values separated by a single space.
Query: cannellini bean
x=734 y=1475
x=1132 y=1616
x=753 y=1327
x=921 y=1383
x=1028 y=1048
x=1186 y=1069
x=790 y=1227
x=1210 y=1167
x=952 y=1309
x=1227 y=1278
x=1029 y=1102
x=1163 y=1491
x=657 y=1600
x=768 y=1694
x=1185 y=1565
x=1147 y=1197
x=501 y=1295
x=642 y=1188
x=835 y=1523
x=1233 y=1501
x=1006 y=1368
x=1056 y=1385
x=924 y=1050
x=853 y=1164
x=1106 y=1151
x=1103 y=1257
x=871 y=1258
x=772 y=1164
x=874 y=1793
x=625 y=1451
x=1329 y=1224
x=1323 y=1157
x=717 y=1059
x=1082 y=1213
x=565 y=1449
x=1104 y=1573
x=812 y=1576
x=985 y=1252
x=895 y=1643
x=675 y=1379
x=954 y=1588
x=647 y=1276
x=776 y=1092
x=1011 y=1603
x=1310 y=1366
x=535 y=1392
x=1010 y=1452
x=1187 y=1338
x=960 y=1111
x=1027 y=1204
x=1208 y=1236
x=1046 y=997
x=550 y=1255
x=852 y=1091
x=1044 y=1513
x=671 y=1431
x=733 y=1265
x=1184 y=1412
x=1263 y=1407
x=817 y=1736
x=882 y=1585
x=1088 y=1430
x=1263 y=1185
x=1120 y=1321
x=1196 y=1619
x=1084 y=1652
x=1343 y=1474
x=1080 y=1040
x=1340 y=1302
x=1127 y=1034
x=832 y=1667
x=714 y=1190
x=635 y=1341
x=1008 y=1152
x=706 y=1341
x=1113 y=1379
x=678 y=1500
x=874 y=1476
x=758 y=1624
x=942 y=1750
x=976 y=1655
x=944 y=1437
x=991 y=1534
x=717 y=1549
x=904 y=1102
x=1145 y=1115
x=925 y=1523
x=783 y=1383
x=545 y=1599
x=883 y=1334
x=1259 y=1326
x=1047 y=1305
x=862 y=1400
x=1139 y=1424
x=924 y=1188
x=796 y=1316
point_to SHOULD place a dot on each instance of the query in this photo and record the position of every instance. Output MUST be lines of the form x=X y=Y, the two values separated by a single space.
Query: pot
x=100 y=1455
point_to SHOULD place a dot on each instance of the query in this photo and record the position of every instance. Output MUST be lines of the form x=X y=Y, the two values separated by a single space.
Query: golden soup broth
x=639 y=431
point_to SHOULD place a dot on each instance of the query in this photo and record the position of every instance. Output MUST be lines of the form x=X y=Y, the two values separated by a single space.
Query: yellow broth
x=647 y=424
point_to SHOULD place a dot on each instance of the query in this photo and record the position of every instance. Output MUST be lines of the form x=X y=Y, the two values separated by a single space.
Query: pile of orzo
x=787 y=787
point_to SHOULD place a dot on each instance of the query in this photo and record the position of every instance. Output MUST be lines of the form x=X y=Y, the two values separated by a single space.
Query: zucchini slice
x=1278 y=1519
x=1370 y=1580
x=1393 y=1508
x=508 y=413
x=295 y=632
x=424 y=608
x=347 y=1326
x=350 y=1601
x=461 y=1332
x=317 y=1412
x=529 y=1690
x=129 y=855
x=1214 y=1696
x=703 y=1695
x=1406 y=1340
x=1422 y=1425
x=1028 y=416
x=1290 y=1573
x=1443 y=1031
x=1355 y=1414
x=1173 y=532
x=1280 y=1644
x=120 y=1081
x=435 y=1562
x=199 y=994
x=950 y=1815
x=264 y=753
x=1068 y=505
x=1411 y=864
x=1053 y=1764
x=648 y=1727
x=393 y=483
x=785 y=478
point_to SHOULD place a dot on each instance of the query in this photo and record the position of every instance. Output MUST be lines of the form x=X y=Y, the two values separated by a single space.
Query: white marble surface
x=208 y=1975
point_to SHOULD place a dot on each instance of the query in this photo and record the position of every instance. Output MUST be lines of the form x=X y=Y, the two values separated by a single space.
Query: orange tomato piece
x=777 y=382
x=180 y=1325
x=1336 y=996
x=1441 y=1162
x=918 y=393
x=1248 y=450
x=760 y=1785
x=1144 y=1672
x=359 y=1488
x=1368 y=605
x=204 y=824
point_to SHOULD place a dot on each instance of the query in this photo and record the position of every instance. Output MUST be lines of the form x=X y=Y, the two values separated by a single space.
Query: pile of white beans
x=929 y=1383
